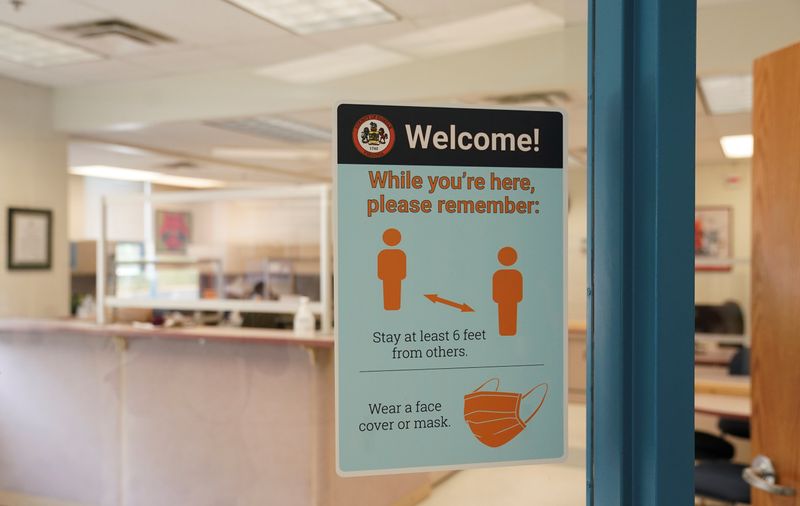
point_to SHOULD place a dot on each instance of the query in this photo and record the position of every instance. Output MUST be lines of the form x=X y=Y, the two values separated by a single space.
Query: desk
x=726 y=385
x=722 y=395
x=721 y=357
x=734 y=339
x=727 y=406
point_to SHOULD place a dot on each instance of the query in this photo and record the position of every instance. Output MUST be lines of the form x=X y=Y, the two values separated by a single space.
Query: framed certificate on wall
x=30 y=239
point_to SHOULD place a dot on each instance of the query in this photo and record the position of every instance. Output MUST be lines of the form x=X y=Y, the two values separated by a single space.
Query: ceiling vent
x=274 y=128
x=117 y=29
x=180 y=165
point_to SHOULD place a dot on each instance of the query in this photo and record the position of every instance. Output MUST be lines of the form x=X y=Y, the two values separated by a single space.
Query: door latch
x=761 y=475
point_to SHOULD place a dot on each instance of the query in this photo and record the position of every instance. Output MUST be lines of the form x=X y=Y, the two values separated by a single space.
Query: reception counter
x=116 y=415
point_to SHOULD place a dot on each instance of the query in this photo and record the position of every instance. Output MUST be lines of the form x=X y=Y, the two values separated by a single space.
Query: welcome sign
x=450 y=280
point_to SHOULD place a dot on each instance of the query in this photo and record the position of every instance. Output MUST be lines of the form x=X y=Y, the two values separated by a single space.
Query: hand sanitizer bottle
x=304 y=321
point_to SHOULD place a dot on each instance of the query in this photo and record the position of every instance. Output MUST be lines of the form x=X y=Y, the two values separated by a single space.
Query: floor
x=562 y=484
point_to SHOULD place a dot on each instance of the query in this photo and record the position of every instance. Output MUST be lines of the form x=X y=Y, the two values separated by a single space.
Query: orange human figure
x=507 y=291
x=391 y=270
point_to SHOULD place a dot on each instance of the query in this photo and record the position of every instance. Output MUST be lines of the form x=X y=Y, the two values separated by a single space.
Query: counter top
x=722 y=405
x=254 y=335
x=735 y=386
x=576 y=327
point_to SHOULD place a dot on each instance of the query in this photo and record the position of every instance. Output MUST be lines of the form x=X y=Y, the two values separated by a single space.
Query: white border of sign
x=335 y=236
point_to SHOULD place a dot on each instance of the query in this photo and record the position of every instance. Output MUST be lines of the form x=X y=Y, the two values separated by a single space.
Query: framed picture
x=30 y=239
x=713 y=241
x=173 y=231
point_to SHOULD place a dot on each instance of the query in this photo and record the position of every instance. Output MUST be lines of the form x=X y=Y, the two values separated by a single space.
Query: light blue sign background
x=454 y=256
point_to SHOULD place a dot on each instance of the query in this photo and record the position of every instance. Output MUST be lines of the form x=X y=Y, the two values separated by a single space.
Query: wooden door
x=776 y=270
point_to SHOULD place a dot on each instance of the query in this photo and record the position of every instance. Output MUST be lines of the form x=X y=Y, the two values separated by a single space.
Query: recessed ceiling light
x=311 y=16
x=274 y=128
x=727 y=94
x=28 y=48
x=334 y=64
x=120 y=173
x=478 y=31
x=737 y=146
x=272 y=154
x=128 y=126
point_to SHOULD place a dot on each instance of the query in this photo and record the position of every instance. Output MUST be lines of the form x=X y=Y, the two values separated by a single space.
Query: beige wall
x=576 y=244
x=32 y=174
x=125 y=221
x=728 y=185
x=717 y=185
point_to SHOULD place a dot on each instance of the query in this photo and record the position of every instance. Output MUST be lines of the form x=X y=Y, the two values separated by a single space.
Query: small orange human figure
x=507 y=291
x=391 y=270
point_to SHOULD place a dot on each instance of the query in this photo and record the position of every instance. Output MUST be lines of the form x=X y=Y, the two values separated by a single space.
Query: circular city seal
x=373 y=136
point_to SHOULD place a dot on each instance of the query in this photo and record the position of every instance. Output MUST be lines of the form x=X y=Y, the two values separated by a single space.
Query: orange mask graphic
x=494 y=416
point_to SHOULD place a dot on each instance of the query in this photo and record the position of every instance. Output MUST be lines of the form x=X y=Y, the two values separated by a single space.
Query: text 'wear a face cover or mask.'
x=494 y=416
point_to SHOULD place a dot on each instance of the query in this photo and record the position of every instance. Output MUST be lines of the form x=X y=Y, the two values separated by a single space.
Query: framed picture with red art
x=713 y=238
x=173 y=231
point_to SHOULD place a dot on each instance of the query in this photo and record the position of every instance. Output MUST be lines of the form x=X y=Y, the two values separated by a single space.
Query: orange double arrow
x=464 y=308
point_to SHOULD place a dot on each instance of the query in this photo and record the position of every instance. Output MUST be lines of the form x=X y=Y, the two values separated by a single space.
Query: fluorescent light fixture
x=495 y=27
x=737 y=146
x=123 y=174
x=124 y=150
x=127 y=127
x=334 y=64
x=272 y=154
x=312 y=16
x=274 y=128
x=727 y=94
x=28 y=48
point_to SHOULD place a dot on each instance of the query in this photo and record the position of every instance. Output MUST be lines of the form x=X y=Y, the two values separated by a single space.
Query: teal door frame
x=640 y=406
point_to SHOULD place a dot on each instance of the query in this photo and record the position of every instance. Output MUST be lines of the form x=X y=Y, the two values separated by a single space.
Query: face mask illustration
x=494 y=417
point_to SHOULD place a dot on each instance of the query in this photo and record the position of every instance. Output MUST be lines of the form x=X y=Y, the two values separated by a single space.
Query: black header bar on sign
x=409 y=135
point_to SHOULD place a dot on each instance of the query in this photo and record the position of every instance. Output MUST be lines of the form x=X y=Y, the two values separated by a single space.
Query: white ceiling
x=209 y=73
x=211 y=35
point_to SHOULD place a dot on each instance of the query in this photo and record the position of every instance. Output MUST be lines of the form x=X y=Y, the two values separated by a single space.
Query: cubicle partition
x=215 y=227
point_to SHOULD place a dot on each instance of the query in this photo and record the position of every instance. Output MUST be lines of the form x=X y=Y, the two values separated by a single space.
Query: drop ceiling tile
x=96 y=153
x=317 y=117
x=200 y=22
x=189 y=137
x=372 y=34
x=733 y=124
x=707 y=3
x=43 y=14
x=421 y=9
x=257 y=53
x=77 y=74
x=183 y=61
x=99 y=72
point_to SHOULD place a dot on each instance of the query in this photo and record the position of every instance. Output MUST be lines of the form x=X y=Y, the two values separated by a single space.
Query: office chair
x=723 y=319
x=720 y=479
x=739 y=366
x=708 y=447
